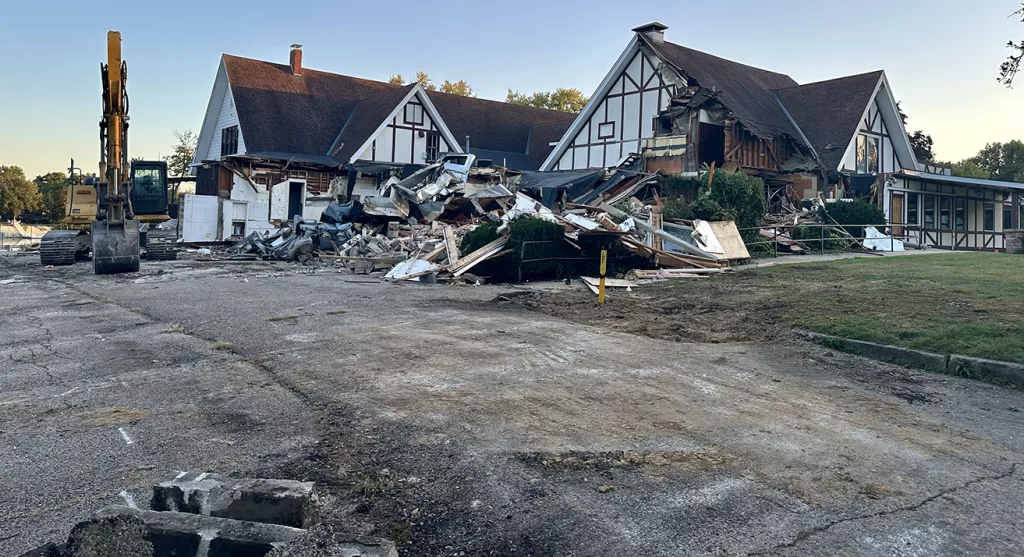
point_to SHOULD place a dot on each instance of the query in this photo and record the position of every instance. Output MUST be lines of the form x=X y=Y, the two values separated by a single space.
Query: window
x=414 y=114
x=606 y=130
x=229 y=141
x=663 y=124
x=944 y=204
x=990 y=216
x=867 y=154
x=912 y=200
x=1007 y=215
x=960 y=213
x=929 y=211
x=433 y=146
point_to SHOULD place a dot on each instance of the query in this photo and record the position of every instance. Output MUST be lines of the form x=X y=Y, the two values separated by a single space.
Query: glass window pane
x=960 y=218
x=990 y=216
x=944 y=204
x=872 y=154
x=912 y=208
x=1007 y=215
x=862 y=154
x=929 y=211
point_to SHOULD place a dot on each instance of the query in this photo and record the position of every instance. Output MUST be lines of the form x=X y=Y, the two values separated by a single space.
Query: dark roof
x=278 y=111
x=501 y=126
x=317 y=111
x=829 y=112
x=364 y=119
x=745 y=90
x=515 y=161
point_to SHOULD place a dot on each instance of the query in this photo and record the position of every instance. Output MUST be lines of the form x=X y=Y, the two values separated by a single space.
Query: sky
x=941 y=56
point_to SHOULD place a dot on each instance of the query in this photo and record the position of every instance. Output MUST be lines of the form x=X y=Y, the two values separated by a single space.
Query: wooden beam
x=451 y=246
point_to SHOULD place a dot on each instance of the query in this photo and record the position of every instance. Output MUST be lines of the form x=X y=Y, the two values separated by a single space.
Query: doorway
x=295 y=191
x=896 y=215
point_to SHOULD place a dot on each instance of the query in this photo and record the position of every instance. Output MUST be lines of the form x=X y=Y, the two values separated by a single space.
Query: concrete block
x=284 y=502
x=188 y=535
x=991 y=370
x=894 y=354
x=324 y=541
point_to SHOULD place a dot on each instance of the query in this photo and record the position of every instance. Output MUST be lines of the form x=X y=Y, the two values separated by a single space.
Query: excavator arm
x=115 y=232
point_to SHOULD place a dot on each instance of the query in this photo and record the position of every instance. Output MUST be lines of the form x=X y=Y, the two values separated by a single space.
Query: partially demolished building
x=283 y=140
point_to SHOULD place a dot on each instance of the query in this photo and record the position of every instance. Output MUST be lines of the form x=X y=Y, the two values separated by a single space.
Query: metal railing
x=822 y=237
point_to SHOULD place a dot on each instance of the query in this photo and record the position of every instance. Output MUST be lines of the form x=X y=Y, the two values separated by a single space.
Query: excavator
x=120 y=200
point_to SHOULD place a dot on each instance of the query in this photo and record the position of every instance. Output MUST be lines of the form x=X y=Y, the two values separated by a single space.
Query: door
x=295 y=195
x=896 y=216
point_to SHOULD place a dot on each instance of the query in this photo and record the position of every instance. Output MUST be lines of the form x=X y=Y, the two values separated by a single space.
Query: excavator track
x=63 y=247
x=161 y=245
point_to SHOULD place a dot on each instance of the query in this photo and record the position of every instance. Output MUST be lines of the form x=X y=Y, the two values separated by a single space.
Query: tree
x=922 y=144
x=52 y=186
x=396 y=79
x=968 y=168
x=459 y=87
x=565 y=100
x=1008 y=70
x=1003 y=161
x=424 y=80
x=17 y=193
x=180 y=159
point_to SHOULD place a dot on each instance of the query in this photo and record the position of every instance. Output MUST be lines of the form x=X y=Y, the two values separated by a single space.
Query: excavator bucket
x=115 y=247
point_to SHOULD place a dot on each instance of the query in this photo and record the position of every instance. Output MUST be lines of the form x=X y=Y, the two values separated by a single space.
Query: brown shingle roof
x=745 y=90
x=306 y=114
x=829 y=112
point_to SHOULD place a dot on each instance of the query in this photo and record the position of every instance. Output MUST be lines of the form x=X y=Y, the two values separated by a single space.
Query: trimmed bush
x=736 y=197
x=679 y=187
x=847 y=213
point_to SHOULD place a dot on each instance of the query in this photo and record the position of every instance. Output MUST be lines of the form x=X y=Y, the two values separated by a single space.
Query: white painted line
x=66 y=393
x=124 y=434
x=180 y=475
x=128 y=499
x=200 y=477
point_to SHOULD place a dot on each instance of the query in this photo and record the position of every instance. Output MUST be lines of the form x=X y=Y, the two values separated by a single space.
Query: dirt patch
x=110 y=416
x=716 y=311
x=578 y=460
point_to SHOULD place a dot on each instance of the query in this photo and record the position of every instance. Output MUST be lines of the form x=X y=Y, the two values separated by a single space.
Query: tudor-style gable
x=220 y=130
x=619 y=115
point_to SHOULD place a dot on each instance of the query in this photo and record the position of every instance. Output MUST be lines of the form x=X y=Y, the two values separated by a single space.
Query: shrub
x=847 y=213
x=676 y=208
x=680 y=187
x=736 y=197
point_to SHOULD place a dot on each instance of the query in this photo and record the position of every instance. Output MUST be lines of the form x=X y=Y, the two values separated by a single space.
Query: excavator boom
x=115 y=232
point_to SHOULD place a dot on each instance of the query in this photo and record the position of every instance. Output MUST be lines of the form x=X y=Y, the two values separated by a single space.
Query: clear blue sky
x=941 y=56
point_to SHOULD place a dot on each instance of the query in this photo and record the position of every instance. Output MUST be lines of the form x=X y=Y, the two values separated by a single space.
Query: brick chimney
x=654 y=31
x=296 y=59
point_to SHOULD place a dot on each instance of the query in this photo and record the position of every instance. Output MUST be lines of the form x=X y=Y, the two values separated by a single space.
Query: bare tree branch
x=1008 y=70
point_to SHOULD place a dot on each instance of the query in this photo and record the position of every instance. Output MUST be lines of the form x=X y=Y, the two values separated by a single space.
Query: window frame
x=913 y=208
x=600 y=127
x=960 y=214
x=929 y=212
x=945 y=213
x=989 y=216
x=405 y=114
x=229 y=141
x=435 y=138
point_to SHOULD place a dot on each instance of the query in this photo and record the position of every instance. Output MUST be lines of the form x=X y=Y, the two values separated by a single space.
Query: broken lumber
x=661 y=234
x=486 y=252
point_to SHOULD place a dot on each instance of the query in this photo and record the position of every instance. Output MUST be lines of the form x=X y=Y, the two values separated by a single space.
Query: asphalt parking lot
x=486 y=429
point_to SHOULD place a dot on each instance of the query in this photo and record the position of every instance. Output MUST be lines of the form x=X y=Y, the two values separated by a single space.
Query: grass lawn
x=962 y=303
x=951 y=303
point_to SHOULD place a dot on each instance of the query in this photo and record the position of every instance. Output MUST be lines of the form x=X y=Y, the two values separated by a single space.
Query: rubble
x=414 y=228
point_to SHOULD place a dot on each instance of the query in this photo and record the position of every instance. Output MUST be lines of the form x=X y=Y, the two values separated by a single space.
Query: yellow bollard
x=604 y=267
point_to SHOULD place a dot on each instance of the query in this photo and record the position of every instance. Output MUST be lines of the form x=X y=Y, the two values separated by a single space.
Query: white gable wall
x=220 y=113
x=622 y=118
x=226 y=117
x=404 y=139
x=873 y=125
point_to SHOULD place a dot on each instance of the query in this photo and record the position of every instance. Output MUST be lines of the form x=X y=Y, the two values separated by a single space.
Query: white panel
x=259 y=215
x=666 y=98
x=384 y=145
x=617 y=88
x=199 y=218
x=631 y=147
x=365 y=186
x=279 y=201
x=631 y=127
x=650 y=111
x=565 y=163
x=226 y=118
x=596 y=156
x=611 y=154
x=633 y=70
x=313 y=209
x=239 y=210
x=615 y=113
x=403 y=146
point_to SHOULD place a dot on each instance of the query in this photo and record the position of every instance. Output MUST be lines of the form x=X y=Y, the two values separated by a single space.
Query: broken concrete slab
x=185 y=534
x=117 y=536
x=284 y=502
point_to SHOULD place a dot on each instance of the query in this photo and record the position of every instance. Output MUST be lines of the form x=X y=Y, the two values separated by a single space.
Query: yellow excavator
x=120 y=200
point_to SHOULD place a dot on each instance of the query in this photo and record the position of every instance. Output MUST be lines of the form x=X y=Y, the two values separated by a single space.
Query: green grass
x=970 y=304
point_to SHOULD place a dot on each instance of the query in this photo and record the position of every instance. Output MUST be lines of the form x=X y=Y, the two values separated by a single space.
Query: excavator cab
x=149 y=188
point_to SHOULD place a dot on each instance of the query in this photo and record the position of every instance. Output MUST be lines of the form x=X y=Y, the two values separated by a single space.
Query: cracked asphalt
x=502 y=432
